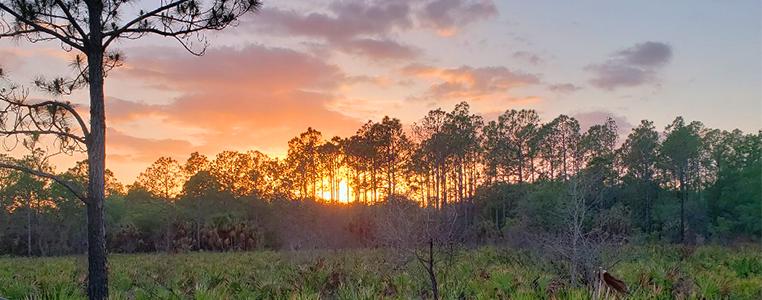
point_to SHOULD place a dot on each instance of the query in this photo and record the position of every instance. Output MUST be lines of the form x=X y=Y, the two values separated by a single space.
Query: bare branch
x=52 y=103
x=116 y=33
x=29 y=121
x=17 y=33
x=68 y=185
x=64 y=38
x=43 y=132
x=182 y=18
x=73 y=22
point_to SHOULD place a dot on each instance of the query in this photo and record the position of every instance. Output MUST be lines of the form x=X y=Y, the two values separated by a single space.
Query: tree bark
x=648 y=206
x=29 y=225
x=437 y=185
x=521 y=165
x=682 y=206
x=97 y=286
x=432 y=273
x=460 y=180
x=443 y=174
x=373 y=180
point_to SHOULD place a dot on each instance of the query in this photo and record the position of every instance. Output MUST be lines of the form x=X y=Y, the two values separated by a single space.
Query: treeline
x=507 y=179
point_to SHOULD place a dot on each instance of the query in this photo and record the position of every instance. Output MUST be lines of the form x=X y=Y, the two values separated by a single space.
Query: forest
x=512 y=181
x=454 y=205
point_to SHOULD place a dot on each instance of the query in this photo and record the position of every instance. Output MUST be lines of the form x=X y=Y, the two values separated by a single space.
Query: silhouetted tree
x=303 y=160
x=197 y=162
x=433 y=151
x=509 y=142
x=389 y=148
x=639 y=156
x=680 y=153
x=233 y=170
x=463 y=131
x=558 y=147
x=330 y=158
x=164 y=178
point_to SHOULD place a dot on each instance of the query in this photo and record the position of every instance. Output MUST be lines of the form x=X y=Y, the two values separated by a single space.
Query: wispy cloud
x=564 y=88
x=633 y=66
x=362 y=28
x=370 y=28
x=529 y=57
x=467 y=82
x=449 y=16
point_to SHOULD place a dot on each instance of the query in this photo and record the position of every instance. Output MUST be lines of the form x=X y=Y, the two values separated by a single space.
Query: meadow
x=658 y=272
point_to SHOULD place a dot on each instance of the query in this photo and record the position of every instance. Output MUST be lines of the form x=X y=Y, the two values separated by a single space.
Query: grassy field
x=487 y=273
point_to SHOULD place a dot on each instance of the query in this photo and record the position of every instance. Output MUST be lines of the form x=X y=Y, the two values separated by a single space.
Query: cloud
x=369 y=28
x=345 y=20
x=253 y=97
x=361 y=28
x=448 y=16
x=24 y=64
x=648 y=54
x=634 y=66
x=564 y=88
x=8 y=59
x=379 y=49
x=120 y=110
x=468 y=82
x=127 y=148
x=256 y=66
x=529 y=57
x=590 y=118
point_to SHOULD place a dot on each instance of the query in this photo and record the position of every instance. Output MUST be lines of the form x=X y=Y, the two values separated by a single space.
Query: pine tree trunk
x=437 y=186
x=521 y=167
x=29 y=225
x=97 y=287
x=460 y=181
x=431 y=271
x=373 y=181
x=443 y=173
x=682 y=207
x=648 y=206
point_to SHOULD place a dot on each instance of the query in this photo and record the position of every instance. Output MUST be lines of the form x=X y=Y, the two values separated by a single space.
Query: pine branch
x=68 y=185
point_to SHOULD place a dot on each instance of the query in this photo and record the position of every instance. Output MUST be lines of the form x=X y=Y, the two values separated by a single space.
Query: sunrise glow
x=341 y=149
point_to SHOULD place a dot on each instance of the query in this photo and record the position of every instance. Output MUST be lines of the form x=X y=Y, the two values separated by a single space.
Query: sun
x=342 y=197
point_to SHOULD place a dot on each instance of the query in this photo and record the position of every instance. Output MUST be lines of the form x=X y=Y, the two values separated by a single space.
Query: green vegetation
x=655 y=272
x=688 y=184
x=571 y=197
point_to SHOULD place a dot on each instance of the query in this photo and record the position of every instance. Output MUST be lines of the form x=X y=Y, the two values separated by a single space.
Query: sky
x=336 y=64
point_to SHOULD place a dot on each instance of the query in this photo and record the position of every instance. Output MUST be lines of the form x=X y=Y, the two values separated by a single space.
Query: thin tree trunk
x=443 y=173
x=431 y=271
x=437 y=180
x=198 y=228
x=682 y=207
x=460 y=181
x=521 y=166
x=648 y=206
x=373 y=181
x=531 y=169
x=363 y=189
x=427 y=194
x=29 y=225
x=322 y=188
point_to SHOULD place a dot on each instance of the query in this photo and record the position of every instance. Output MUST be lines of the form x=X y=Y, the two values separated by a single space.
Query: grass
x=657 y=272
